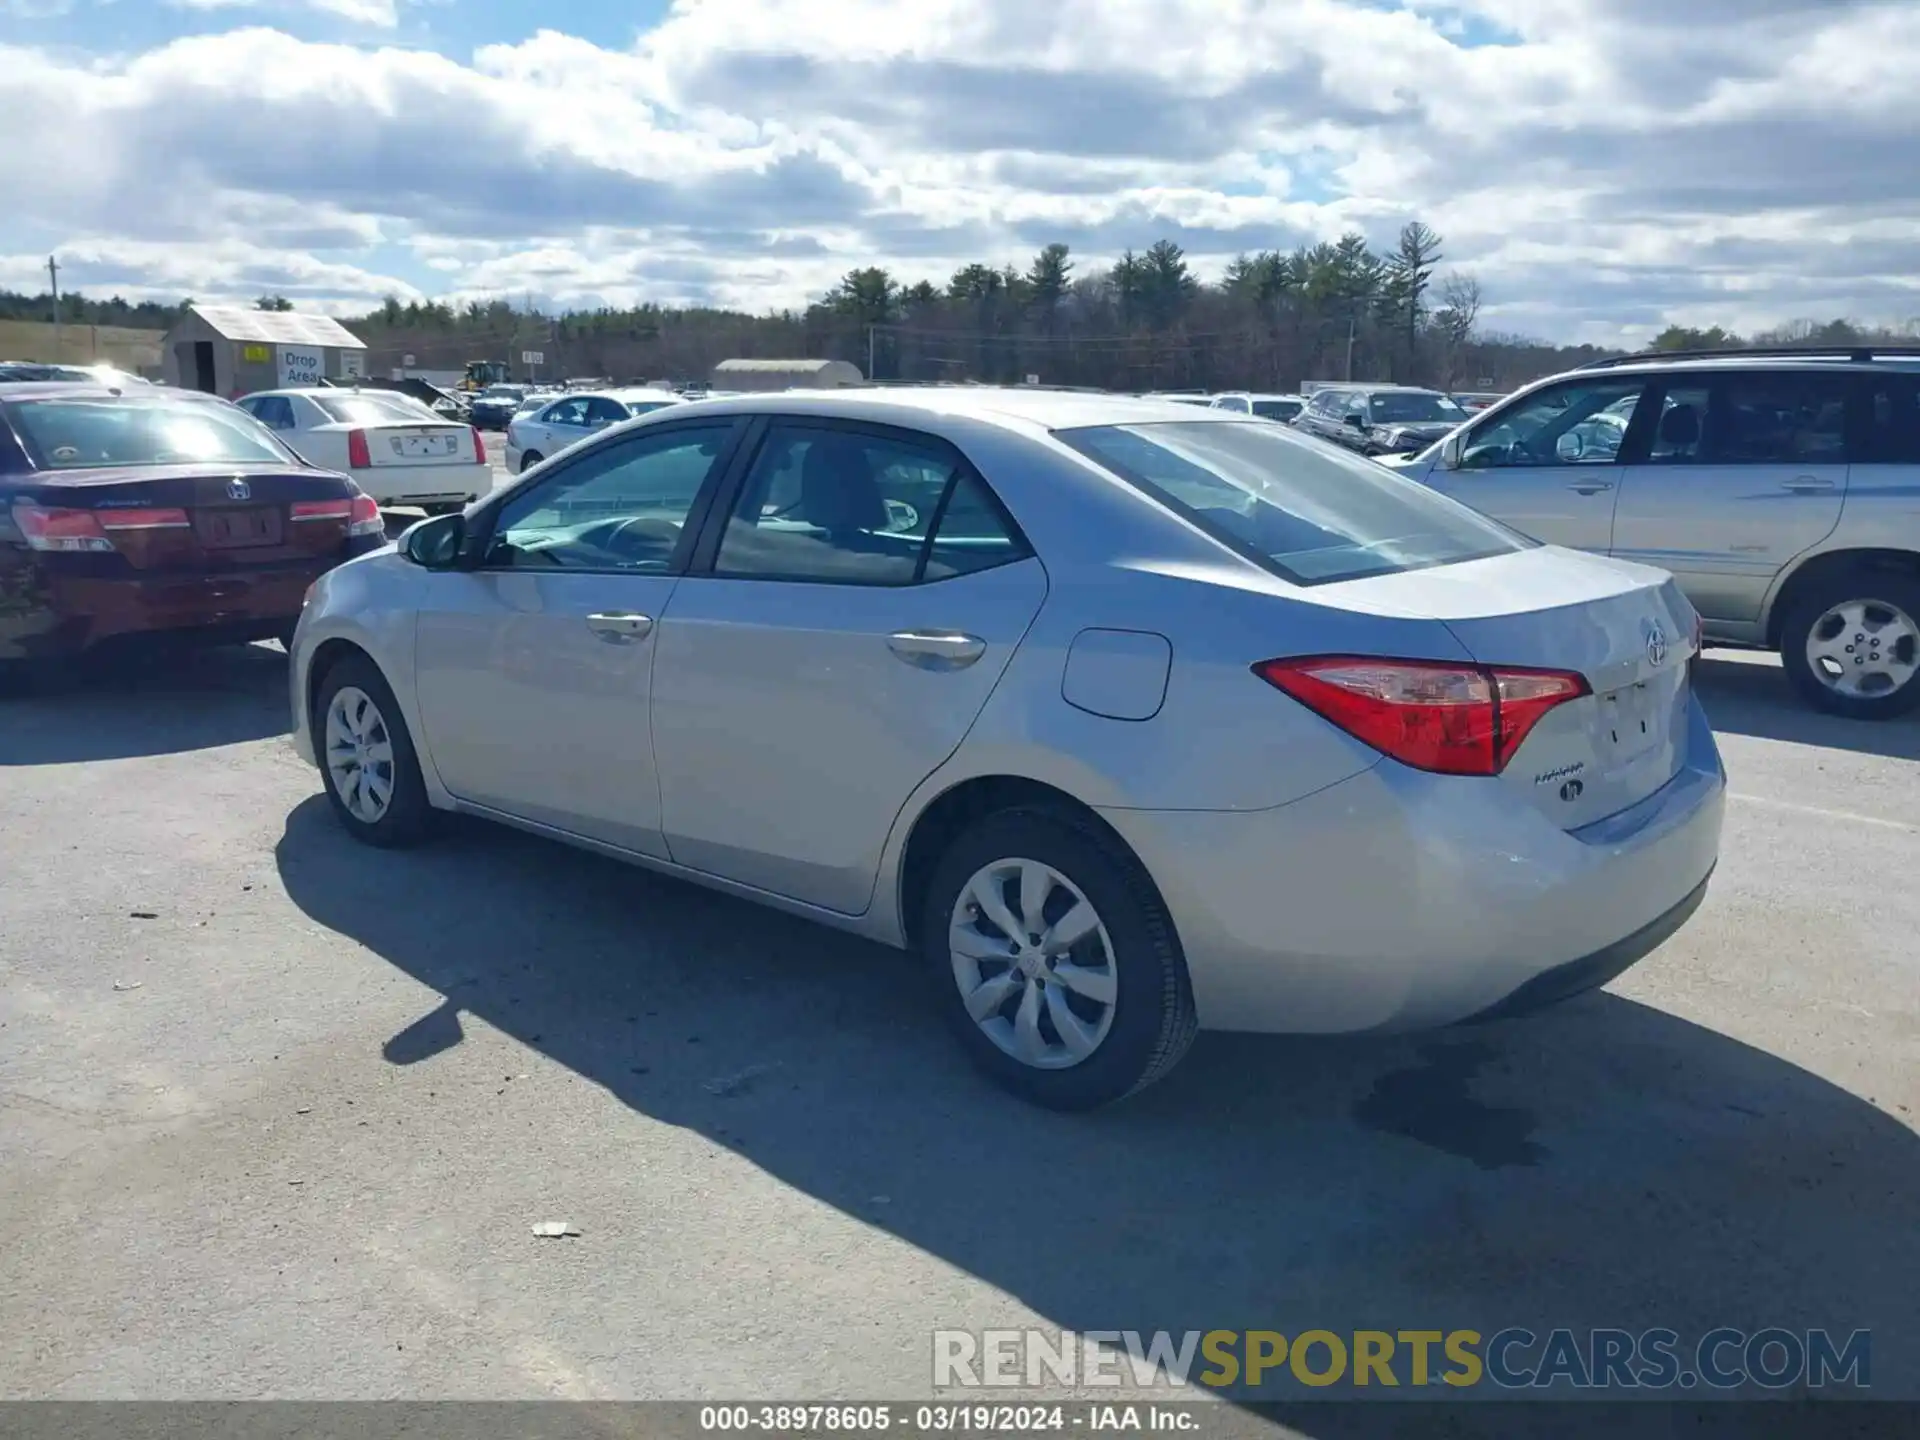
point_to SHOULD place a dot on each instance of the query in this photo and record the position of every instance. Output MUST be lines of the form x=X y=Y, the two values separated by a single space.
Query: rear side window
x=1893 y=422
x=851 y=507
x=81 y=434
x=1311 y=514
x=1789 y=418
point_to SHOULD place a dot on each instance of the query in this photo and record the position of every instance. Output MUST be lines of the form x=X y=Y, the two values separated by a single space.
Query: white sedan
x=394 y=447
x=532 y=437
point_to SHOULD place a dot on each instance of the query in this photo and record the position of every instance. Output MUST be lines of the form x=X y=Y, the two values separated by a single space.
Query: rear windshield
x=74 y=433
x=1310 y=512
x=373 y=409
x=1411 y=407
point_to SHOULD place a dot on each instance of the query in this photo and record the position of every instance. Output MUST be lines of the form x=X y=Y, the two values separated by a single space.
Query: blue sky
x=1600 y=166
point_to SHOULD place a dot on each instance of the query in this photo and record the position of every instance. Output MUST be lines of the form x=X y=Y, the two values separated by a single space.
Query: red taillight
x=365 y=517
x=479 y=445
x=360 y=513
x=1450 y=719
x=358 y=456
x=48 y=527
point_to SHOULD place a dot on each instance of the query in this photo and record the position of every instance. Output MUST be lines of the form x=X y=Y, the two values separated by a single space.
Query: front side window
x=78 y=434
x=565 y=412
x=1310 y=514
x=623 y=506
x=273 y=411
x=859 y=508
x=1680 y=434
x=1579 y=422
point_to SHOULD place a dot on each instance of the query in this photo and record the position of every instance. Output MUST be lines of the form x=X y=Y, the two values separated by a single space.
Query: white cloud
x=384 y=14
x=1608 y=164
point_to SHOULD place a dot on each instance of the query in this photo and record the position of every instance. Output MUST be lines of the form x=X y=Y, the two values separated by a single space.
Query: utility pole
x=870 y=330
x=53 y=276
x=1353 y=326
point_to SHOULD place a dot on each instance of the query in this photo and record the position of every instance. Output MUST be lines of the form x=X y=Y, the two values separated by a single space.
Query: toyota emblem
x=238 y=489
x=1656 y=647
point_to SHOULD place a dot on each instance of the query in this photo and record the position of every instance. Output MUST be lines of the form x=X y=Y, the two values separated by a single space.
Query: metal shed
x=232 y=350
x=785 y=375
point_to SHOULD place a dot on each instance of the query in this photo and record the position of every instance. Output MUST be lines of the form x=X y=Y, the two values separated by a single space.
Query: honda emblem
x=238 y=489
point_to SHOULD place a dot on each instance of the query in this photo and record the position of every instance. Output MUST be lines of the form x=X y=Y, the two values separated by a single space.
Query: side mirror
x=1570 y=446
x=1356 y=420
x=1450 y=451
x=435 y=543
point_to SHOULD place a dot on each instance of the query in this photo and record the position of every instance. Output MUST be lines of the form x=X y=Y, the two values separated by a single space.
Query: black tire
x=1890 y=588
x=530 y=459
x=408 y=818
x=1153 y=1015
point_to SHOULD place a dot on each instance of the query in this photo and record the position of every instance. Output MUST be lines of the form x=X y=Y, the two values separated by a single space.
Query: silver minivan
x=1781 y=488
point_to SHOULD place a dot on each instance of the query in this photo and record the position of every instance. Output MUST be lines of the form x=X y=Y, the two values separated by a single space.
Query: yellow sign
x=257 y=354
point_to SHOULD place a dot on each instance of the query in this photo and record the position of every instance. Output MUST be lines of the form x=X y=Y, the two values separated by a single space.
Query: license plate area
x=424 y=447
x=237 y=529
x=1629 y=721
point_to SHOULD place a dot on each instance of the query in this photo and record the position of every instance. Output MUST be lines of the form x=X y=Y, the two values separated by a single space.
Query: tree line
x=1335 y=310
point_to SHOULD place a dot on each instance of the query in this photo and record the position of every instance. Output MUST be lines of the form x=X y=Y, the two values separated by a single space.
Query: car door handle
x=1806 y=484
x=1589 y=487
x=937 y=649
x=618 y=627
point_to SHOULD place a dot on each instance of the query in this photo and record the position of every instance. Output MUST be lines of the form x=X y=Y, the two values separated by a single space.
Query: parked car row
x=627 y=646
x=557 y=421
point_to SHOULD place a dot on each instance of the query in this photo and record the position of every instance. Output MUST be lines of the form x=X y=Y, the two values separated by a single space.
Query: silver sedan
x=1125 y=717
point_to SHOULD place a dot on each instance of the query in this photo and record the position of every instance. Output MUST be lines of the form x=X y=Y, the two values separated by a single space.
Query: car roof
x=96 y=390
x=1005 y=407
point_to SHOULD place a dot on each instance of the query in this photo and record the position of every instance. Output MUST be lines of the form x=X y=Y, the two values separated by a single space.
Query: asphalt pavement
x=278 y=1113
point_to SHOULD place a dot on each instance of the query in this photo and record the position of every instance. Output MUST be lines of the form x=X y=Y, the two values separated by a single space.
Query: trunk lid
x=1625 y=628
x=423 y=444
x=235 y=516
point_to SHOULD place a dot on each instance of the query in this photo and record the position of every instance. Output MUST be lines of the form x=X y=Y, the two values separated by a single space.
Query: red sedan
x=156 y=512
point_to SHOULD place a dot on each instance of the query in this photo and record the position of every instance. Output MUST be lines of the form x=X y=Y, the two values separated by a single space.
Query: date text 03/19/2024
x=946 y=1418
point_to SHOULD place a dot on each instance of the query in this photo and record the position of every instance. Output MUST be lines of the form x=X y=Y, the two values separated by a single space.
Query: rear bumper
x=69 y=614
x=425 y=484
x=1396 y=900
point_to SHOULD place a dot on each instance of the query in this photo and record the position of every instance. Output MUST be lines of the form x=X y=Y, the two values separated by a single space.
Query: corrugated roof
x=778 y=367
x=278 y=327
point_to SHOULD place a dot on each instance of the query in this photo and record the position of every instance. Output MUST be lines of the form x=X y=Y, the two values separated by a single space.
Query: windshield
x=373 y=409
x=1310 y=513
x=1412 y=407
x=85 y=433
x=1276 y=409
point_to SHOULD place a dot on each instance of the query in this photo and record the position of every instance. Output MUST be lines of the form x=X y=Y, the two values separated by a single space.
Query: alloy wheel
x=1864 y=649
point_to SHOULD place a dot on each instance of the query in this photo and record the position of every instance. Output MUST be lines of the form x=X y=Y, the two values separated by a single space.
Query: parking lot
x=281 y=1111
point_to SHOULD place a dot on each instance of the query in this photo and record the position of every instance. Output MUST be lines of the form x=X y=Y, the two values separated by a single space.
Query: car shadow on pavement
x=157 y=703
x=1749 y=694
x=1605 y=1164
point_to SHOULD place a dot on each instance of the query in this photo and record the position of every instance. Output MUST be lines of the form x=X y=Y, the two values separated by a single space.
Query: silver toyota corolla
x=1127 y=717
